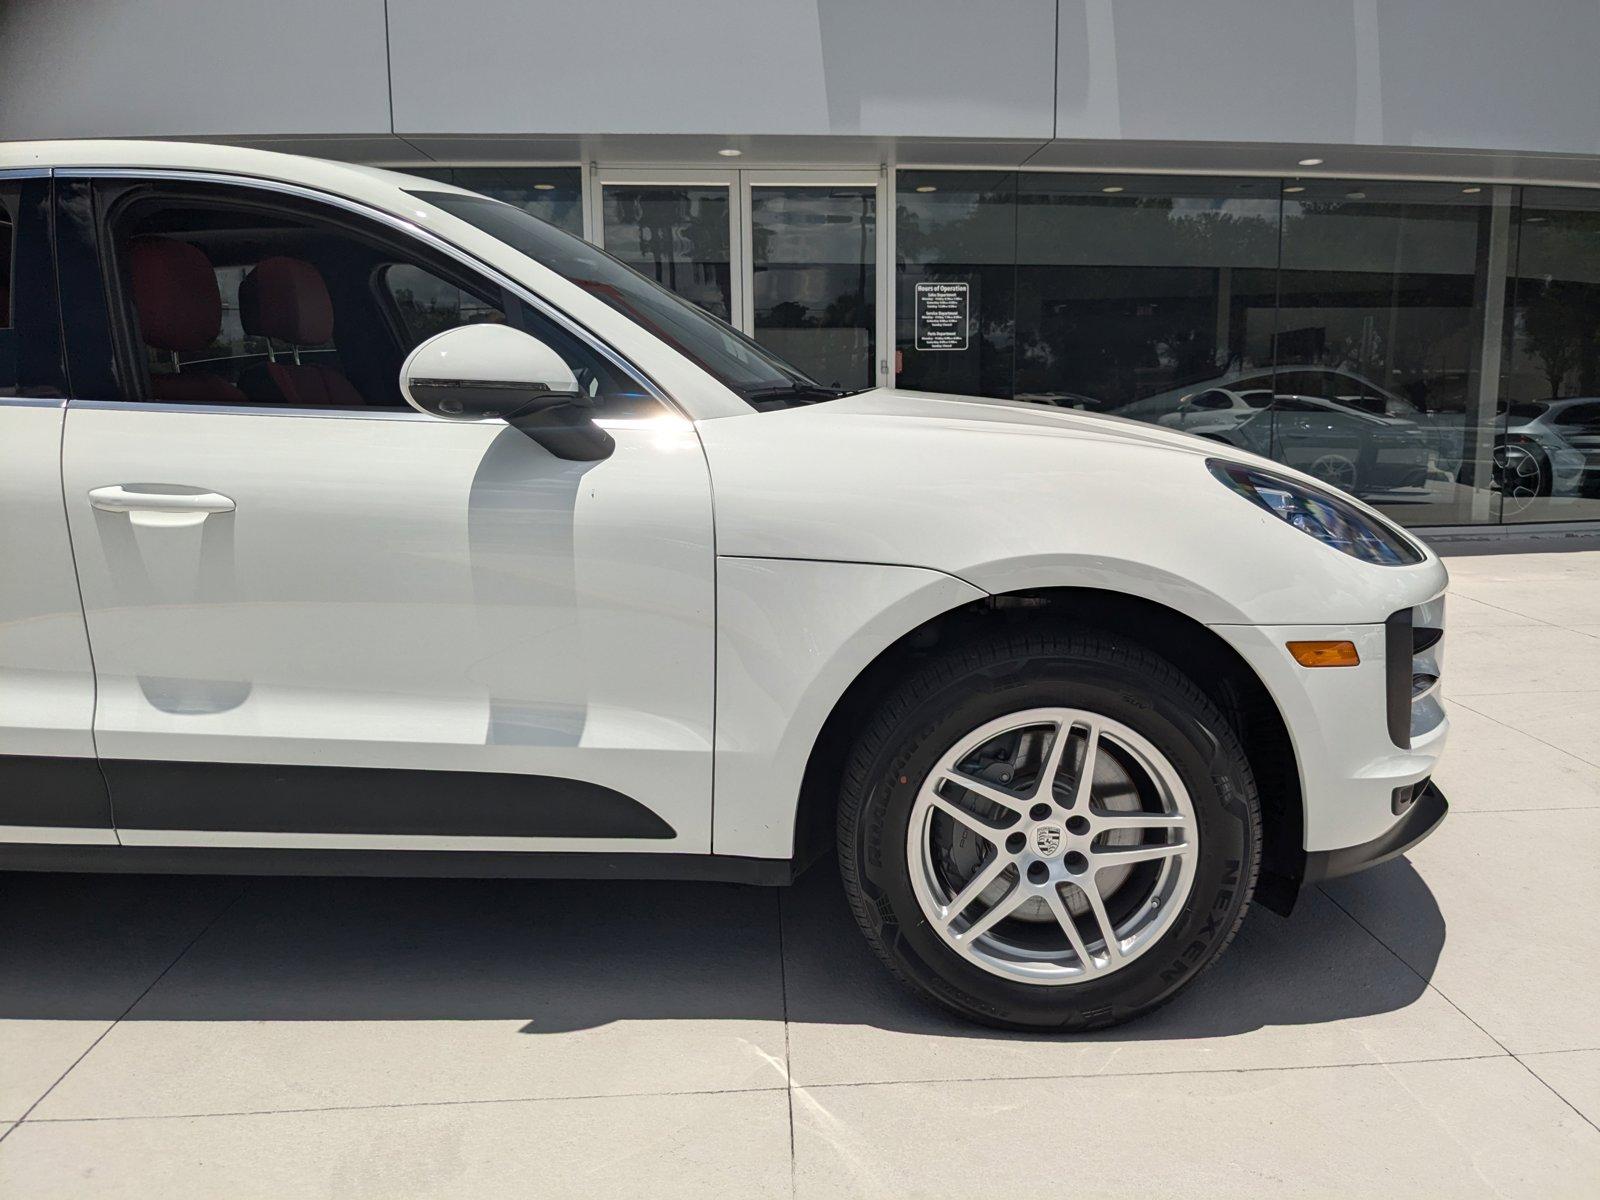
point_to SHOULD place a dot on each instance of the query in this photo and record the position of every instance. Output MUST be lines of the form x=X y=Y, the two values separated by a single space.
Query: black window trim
x=22 y=175
x=8 y=256
x=393 y=224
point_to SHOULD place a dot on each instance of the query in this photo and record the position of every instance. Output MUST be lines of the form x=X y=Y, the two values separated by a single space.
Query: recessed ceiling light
x=1294 y=189
x=1471 y=191
x=729 y=152
x=927 y=187
x=1355 y=195
x=1111 y=191
x=544 y=187
x=1310 y=162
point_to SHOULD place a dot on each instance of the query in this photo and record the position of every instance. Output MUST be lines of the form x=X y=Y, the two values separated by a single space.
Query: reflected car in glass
x=1343 y=446
x=1216 y=410
x=378 y=527
x=1550 y=448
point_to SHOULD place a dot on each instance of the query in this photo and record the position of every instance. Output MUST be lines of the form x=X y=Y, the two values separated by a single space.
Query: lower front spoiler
x=1421 y=819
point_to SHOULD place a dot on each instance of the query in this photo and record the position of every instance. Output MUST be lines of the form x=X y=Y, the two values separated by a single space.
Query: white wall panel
x=1496 y=75
x=907 y=67
x=162 y=68
x=1493 y=74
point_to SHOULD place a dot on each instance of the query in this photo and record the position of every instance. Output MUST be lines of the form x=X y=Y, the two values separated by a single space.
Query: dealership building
x=1360 y=236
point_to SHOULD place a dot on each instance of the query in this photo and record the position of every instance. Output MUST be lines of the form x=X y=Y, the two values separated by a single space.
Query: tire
x=1165 y=755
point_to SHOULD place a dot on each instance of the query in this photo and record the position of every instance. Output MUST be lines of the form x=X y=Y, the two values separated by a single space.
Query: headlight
x=1323 y=515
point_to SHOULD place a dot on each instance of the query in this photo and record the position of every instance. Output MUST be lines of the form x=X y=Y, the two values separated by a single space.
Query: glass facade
x=813 y=260
x=553 y=194
x=678 y=236
x=1548 y=454
x=1430 y=347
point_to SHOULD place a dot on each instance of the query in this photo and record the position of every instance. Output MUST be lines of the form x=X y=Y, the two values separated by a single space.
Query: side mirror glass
x=493 y=372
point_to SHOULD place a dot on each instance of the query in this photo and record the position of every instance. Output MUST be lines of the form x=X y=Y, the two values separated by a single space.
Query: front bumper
x=1421 y=819
x=1351 y=747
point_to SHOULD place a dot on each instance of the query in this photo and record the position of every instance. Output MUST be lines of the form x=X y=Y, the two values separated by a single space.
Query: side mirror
x=497 y=373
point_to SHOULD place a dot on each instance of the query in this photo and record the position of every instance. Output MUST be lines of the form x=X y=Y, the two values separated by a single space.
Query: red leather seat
x=179 y=308
x=285 y=299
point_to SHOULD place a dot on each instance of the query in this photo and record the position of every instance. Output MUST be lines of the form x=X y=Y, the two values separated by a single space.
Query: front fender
x=792 y=635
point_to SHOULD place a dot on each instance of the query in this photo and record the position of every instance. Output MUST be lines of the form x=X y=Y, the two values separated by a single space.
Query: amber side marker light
x=1325 y=654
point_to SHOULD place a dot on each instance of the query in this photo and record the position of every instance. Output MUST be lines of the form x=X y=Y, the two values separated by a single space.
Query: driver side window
x=233 y=296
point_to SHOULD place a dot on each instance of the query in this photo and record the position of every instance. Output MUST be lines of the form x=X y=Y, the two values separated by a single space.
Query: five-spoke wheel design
x=1519 y=475
x=1052 y=846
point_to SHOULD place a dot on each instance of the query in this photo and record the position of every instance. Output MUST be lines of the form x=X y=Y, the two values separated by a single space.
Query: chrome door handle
x=159 y=508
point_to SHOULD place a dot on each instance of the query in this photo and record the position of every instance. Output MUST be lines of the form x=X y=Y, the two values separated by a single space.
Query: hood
x=1011 y=496
x=888 y=407
x=1019 y=416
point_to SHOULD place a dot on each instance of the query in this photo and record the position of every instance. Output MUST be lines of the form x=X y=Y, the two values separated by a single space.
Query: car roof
x=373 y=184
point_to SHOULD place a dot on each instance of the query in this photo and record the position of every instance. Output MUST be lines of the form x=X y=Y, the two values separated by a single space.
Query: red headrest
x=285 y=298
x=174 y=293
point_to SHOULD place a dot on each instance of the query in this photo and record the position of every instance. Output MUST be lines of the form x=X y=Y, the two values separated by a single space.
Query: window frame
x=33 y=317
x=383 y=298
x=1581 y=415
x=336 y=210
x=8 y=256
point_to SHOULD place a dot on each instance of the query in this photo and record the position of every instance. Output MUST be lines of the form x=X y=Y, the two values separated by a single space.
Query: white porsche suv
x=356 y=523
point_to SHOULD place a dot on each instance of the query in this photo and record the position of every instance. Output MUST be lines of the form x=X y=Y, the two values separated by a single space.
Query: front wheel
x=1049 y=831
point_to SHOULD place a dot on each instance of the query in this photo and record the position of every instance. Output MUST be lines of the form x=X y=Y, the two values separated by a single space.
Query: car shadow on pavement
x=560 y=956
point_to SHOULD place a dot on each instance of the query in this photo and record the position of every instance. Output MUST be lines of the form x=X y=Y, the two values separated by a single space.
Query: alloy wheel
x=1052 y=846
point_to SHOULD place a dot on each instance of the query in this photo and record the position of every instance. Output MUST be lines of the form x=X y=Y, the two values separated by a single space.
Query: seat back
x=285 y=299
x=179 y=308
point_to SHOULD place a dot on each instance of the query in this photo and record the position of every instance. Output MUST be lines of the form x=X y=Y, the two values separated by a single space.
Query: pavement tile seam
x=1427 y=982
x=343 y=1108
x=866 y=1083
x=1455 y=697
x=788 y=1072
x=1551 y=1088
x=221 y=912
x=1187 y=1071
x=1500 y=812
x=1523 y=732
x=1457 y=591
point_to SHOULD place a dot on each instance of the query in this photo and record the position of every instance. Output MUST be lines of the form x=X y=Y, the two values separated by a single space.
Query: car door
x=50 y=788
x=322 y=619
x=1578 y=425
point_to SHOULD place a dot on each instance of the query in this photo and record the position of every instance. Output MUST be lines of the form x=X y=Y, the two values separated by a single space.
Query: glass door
x=789 y=257
x=680 y=228
x=813 y=280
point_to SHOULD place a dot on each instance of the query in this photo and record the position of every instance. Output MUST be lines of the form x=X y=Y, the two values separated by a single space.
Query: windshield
x=745 y=367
